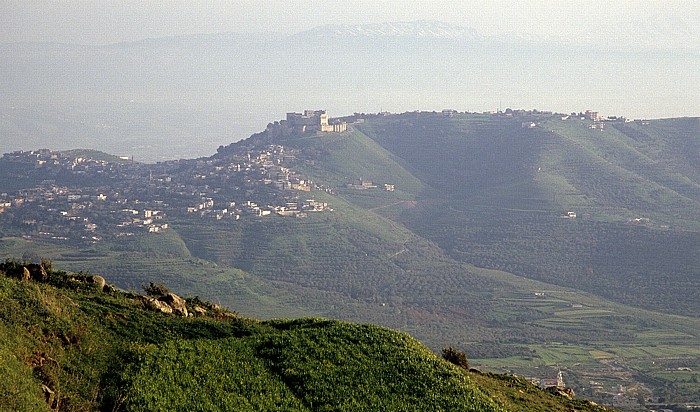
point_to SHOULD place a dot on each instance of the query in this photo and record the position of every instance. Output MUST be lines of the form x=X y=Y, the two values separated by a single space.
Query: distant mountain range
x=652 y=34
x=655 y=34
x=632 y=36
x=412 y=29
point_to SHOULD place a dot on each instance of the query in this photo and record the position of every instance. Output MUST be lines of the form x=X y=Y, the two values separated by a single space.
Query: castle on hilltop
x=310 y=121
x=553 y=383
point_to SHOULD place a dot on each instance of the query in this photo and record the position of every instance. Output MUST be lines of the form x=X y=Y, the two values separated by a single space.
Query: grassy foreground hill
x=69 y=342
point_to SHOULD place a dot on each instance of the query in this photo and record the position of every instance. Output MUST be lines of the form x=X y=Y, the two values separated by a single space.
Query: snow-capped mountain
x=414 y=29
x=654 y=34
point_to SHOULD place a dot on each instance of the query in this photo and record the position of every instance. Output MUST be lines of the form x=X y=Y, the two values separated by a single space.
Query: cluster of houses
x=250 y=208
x=147 y=220
x=47 y=211
x=598 y=121
x=88 y=200
x=79 y=165
x=261 y=167
x=361 y=184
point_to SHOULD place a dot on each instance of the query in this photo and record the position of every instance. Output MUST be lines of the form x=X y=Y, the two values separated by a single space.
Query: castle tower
x=560 y=380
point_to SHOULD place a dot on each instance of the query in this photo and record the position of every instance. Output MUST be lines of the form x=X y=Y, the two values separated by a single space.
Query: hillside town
x=79 y=198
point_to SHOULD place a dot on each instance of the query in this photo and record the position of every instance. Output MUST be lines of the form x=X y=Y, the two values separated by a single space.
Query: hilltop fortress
x=314 y=120
x=307 y=122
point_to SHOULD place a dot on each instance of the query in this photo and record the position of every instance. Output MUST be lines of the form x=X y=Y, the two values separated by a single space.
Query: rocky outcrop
x=24 y=271
x=158 y=297
x=169 y=303
x=178 y=305
x=565 y=392
x=109 y=288
x=153 y=303
x=98 y=281
x=44 y=273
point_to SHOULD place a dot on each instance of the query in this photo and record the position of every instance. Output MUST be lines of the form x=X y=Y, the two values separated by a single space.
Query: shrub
x=456 y=357
x=156 y=289
x=47 y=264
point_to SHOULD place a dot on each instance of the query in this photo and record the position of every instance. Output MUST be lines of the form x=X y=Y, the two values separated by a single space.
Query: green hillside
x=340 y=159
x=500 y=192
x=646 y=169
x=474 y=159
x=474 y=247
x=67 y=345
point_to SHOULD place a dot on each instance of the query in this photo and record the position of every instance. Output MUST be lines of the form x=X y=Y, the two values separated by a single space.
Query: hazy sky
x=109 y=21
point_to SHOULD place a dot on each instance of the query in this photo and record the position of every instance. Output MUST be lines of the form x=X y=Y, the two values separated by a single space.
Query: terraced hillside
x=500 y=192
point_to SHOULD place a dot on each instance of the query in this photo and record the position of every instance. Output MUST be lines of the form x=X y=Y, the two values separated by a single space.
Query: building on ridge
x=553 y=383
x=313 y=120
x=591 y=115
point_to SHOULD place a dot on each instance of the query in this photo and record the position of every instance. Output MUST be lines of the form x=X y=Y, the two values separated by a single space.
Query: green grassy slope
x=303 y=365
x=343 y=158
x=476 y=159
x=68 y=346
x=165 y=258
x=627 y=169
x=630 y=170
x=370 y=160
